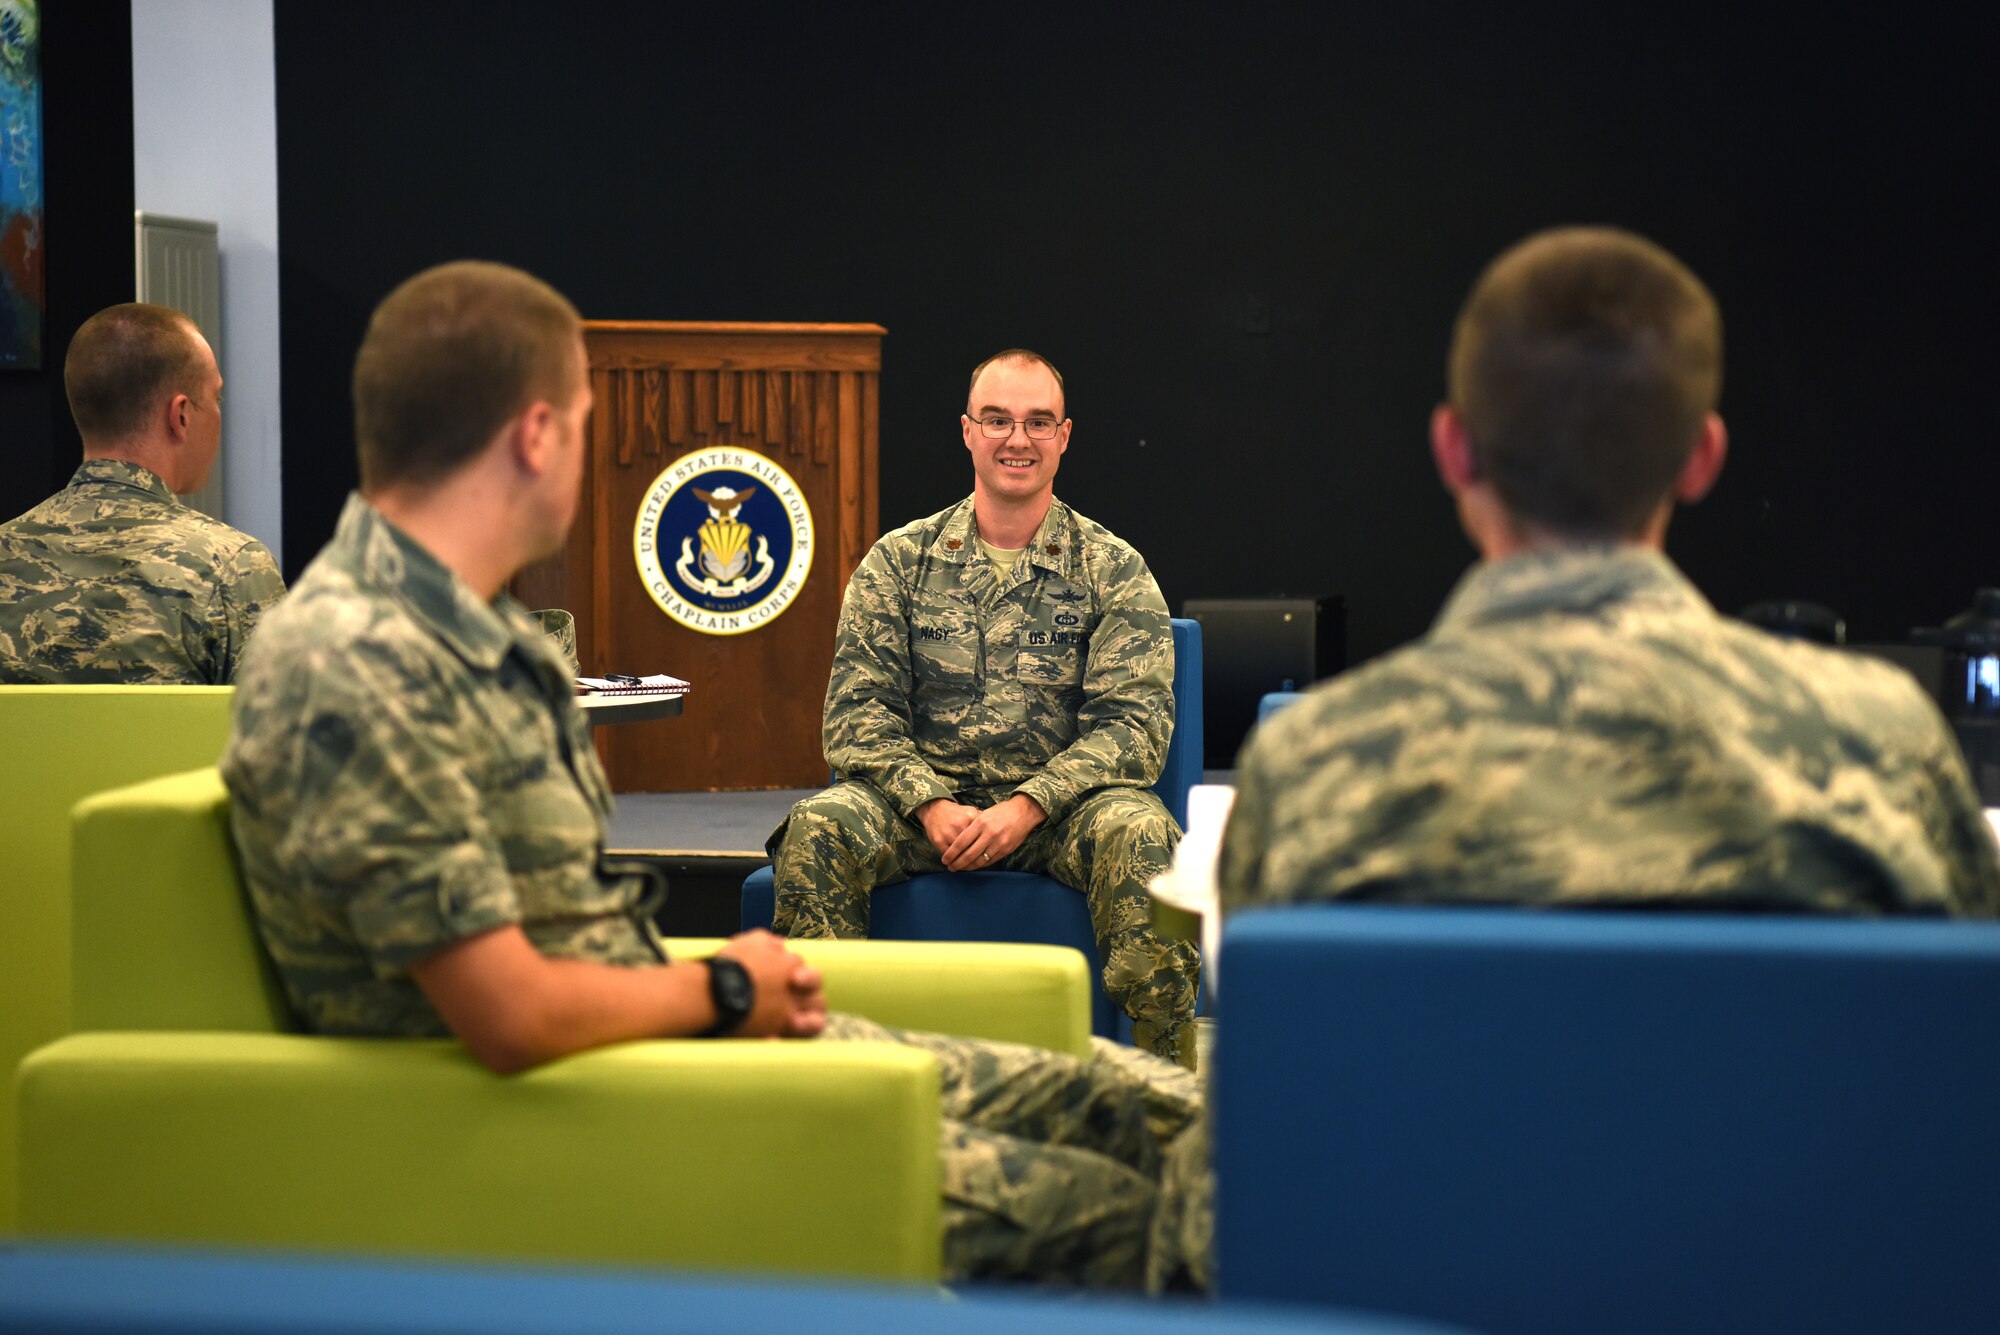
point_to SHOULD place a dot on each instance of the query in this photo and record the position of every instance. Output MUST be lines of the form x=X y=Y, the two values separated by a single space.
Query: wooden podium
x=786 y=417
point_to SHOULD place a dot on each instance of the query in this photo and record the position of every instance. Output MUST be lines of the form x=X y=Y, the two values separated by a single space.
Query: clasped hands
x=789 y=1003
x=968 y=838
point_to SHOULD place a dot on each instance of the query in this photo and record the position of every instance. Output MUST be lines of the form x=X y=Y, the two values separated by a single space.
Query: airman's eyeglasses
x=997 y=427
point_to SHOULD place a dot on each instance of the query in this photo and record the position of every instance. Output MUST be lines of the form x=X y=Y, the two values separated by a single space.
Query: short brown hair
x=123 y=361
x=1582 y=365
x=1017 y=355
x=452 y=356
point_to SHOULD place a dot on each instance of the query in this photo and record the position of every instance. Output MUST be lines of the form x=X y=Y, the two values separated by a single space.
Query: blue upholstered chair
x=127 y=1291
x=1024 y=906
x=1272 y=701
x=1589 y=1122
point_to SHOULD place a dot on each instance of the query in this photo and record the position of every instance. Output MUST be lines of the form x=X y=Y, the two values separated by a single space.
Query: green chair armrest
x=1038 y=995
x=736 y=1156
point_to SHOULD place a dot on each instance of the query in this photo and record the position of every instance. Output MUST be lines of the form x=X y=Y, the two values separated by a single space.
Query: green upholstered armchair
x=1020 y=994
x=59 y=744
x=186 y=1109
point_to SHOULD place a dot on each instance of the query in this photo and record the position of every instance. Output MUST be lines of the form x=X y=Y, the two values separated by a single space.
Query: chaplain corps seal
x=723 y=540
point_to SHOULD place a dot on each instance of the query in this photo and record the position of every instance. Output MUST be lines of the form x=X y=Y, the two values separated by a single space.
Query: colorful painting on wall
x=21 y=295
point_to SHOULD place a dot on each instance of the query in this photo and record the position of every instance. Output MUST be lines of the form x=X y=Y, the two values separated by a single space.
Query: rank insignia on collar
x=953 y=544
x=1053 y=549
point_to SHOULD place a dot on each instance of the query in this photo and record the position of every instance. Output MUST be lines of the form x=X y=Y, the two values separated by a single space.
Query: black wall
x=87 y=209
x=1130 y=189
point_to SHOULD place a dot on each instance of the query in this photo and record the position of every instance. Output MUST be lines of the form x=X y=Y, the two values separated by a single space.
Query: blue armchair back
x=1589 y=1122
x=1183 y=768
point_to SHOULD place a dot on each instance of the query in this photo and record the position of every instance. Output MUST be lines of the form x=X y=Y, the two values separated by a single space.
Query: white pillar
x=205 y=145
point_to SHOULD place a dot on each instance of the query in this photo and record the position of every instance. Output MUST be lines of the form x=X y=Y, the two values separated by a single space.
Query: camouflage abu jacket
x=948 y=680
x=1581 y=727
x=114 y=580
x=407 y=768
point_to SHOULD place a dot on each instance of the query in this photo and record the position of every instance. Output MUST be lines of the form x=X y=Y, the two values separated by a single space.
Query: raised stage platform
x=706 y=843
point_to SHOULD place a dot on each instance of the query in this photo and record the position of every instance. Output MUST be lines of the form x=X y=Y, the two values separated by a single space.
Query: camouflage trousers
x=1064 y=1171
x=837 y=845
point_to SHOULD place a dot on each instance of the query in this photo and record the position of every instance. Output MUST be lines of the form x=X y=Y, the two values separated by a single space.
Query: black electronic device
x=1970 y=686
x=1252 y=646
x=1798 y=620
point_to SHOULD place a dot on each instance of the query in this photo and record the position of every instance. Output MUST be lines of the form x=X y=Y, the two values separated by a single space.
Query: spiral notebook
x=616 y=684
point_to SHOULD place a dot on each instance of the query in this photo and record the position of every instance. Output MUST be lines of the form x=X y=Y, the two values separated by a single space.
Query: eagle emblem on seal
x=725 y=546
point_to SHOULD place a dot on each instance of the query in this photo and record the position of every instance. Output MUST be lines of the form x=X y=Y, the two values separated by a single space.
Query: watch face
x=734 y=985
x=732 y=992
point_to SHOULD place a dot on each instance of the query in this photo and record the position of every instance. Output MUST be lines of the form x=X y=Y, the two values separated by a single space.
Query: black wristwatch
x=734 y=995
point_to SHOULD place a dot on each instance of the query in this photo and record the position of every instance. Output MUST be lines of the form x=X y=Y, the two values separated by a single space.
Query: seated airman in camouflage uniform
x=1580 y=727
x=421 y=816
x=113 y=579
x=1002 y=697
